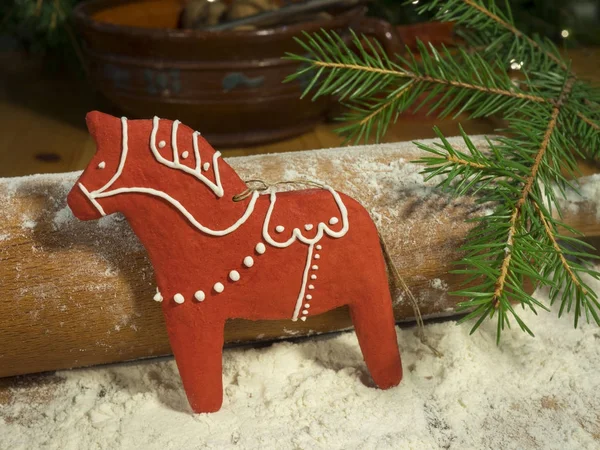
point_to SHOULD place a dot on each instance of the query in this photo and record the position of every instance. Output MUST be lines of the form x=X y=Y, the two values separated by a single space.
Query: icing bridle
x=216 y=186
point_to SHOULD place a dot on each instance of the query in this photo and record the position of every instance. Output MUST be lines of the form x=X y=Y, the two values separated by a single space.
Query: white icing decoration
x=101 y=193
x=313 y=277
x=216 y=187
x=102 y=165
x=311 y=287
x=307 y=305
x=308 y=226
x=317 y=256
x=305 y=312
x=185 y=154
x=309 y=297
x=303 y=319
x=184 y=211
x=297 y=234
x=179 y=299
x=315 y=267
x=91 y=199
x=333 y=220
x=234 y=275
x=303 y=285
x=260 y=248
x=319 y=247
x=248 y=261
x=206 y=166
x=279 y=228
x=162 y=144
x=158 y=297
x=218 y=287
x=124 y=149
x=199 y=295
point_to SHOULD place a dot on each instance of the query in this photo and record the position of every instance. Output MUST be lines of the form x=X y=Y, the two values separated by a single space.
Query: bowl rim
x=82 y=15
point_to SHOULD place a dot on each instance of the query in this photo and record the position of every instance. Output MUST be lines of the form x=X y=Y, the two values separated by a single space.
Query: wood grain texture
x=80 y=293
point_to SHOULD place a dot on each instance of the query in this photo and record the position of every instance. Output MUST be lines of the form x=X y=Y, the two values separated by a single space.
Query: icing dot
x=158 y=297
x=305 y=312
x=260 y=248
x=185 y=154
x=308 y=226
x=102 y=165
x=310 y=286
x=309 y=297
x=303 y=319
x=234 y=275
x=307 y=305
x=333 y=220
x=179 y=299
x=319 y=247
x=317 y=256
x=313 y=277
x=218 y=287
x=279 y=228
x=162 y=144
x=199 y=295
x=315 y=267
x=248 y=261
x=206 y=166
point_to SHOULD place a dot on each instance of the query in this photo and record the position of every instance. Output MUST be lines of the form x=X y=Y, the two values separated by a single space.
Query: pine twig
x=521 y=35
x=526 y=191
x=514 y=31
x=462 y=162
x=592 y=124
x=384 y=106
x=534 y=44
x=428 y=79
x=559 y=251
x=416 y=78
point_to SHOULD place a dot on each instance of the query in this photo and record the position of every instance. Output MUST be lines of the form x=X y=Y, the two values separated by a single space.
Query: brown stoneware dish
x=228 y=85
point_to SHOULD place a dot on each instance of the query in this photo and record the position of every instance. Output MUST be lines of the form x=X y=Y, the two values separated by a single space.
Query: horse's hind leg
x=373 y=321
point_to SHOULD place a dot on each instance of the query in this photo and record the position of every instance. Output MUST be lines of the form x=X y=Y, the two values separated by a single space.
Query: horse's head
x=161 y=158
x=101 y=169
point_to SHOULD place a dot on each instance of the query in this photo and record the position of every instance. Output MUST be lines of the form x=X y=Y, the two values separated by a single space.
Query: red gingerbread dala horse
x=288 y=255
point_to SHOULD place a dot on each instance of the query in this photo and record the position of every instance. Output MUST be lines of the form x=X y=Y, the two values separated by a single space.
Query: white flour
x=540 y=393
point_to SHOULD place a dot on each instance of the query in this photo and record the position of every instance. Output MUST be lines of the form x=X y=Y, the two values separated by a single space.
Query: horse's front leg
x=198 y=349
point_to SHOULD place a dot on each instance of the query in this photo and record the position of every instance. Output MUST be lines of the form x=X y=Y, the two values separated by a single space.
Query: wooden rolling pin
x=80 y=293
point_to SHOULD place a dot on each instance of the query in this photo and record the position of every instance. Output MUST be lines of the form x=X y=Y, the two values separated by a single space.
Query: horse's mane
x=215 y=186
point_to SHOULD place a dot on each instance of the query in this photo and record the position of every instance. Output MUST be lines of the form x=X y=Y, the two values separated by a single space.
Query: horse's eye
x=102 y=165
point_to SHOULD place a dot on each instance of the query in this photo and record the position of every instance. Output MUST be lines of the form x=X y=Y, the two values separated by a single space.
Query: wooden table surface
x=43 y=129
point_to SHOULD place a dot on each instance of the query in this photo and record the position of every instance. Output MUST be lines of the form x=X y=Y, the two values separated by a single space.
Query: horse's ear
x=97 y=120
x=102 y=127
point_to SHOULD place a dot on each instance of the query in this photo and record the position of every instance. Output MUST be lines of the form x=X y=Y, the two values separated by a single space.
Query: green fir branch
x=362 y=80
x=496 y=31
x=552 y=117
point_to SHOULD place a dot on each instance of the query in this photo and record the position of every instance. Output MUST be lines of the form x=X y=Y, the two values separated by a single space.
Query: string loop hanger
x=264 y=186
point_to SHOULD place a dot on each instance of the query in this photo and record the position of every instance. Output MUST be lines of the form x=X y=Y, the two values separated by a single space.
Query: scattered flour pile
x=541 y=393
